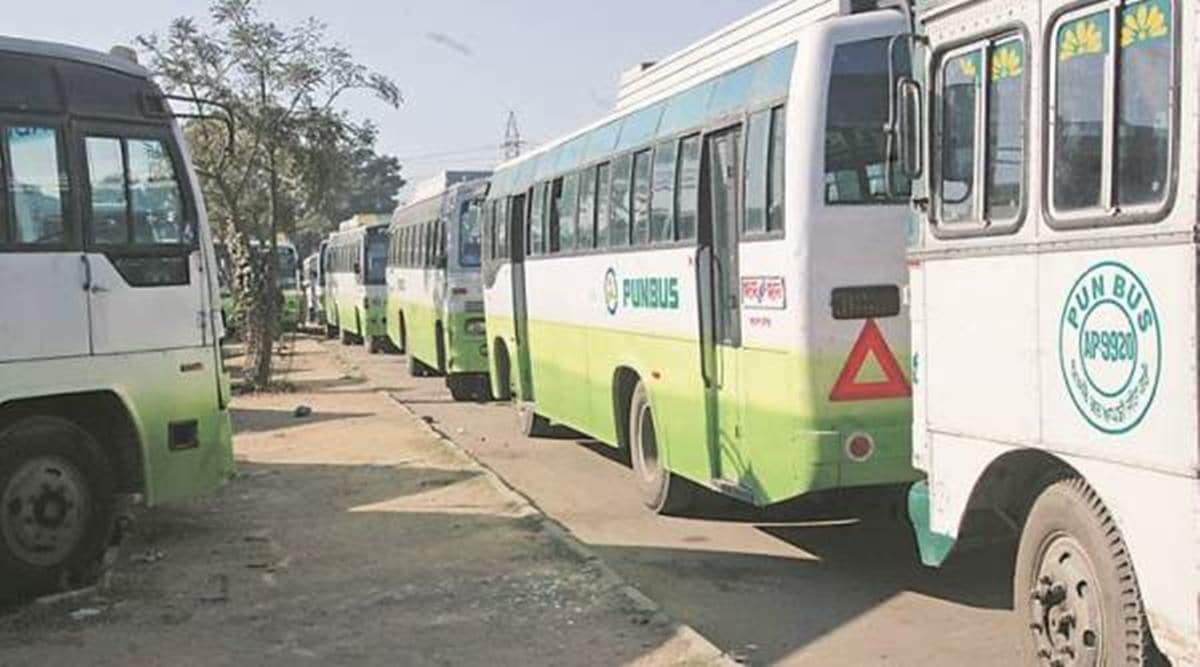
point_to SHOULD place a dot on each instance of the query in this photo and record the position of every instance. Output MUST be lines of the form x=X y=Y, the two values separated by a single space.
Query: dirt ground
x=352 y=536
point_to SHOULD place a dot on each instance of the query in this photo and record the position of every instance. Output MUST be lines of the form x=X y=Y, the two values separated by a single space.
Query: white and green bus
x=356 y=287
x=435 y=299
x=1053 y=282
x=710 y=277
x=111 y=379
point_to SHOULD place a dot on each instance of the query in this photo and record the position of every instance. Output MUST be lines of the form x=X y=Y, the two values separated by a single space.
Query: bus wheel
x=661 y=491
x=417 y=369
x=56 y=506
x=347 y=337
x=331 y=331
x=371 y=343
x=1074 y=584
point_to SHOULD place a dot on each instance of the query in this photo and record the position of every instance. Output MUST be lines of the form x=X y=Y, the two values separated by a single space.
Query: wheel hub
x=44 y=509
x=1065 y=607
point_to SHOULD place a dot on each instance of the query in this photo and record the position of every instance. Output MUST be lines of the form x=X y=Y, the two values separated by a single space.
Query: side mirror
x=909 y=128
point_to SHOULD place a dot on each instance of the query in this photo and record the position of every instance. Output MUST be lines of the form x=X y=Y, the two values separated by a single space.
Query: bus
x=435 y=295
x=287 y=276
x=356 y=282
x=314 y=287
x=709 y=278
x=1053 y=285
x=112 y=385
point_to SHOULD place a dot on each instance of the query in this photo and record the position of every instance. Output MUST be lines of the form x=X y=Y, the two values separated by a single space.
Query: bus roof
x=29 y=47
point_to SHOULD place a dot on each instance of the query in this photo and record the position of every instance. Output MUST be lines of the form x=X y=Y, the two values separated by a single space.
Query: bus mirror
x=908 y=127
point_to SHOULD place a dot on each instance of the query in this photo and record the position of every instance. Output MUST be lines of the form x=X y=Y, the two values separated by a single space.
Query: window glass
x=1079 y=102
x=688 y=190
x=777 y=178
x=1005 y=158
x=567 y=204
x=502 y=230
x=602 y=141
x=960 y=90
x=662 y=201
x=38 y=186
x=687 y=109
x=106 y=172
x=286 y=267
x=154 y=190
x=618 y=232
x=640 y=127
x=1144 y=103
x=758 y=148
x=587 y=209
x=376 y=268
x=856 y=114
x=641 y=198
x=733 y=90
x=552 y=228
x=537 y=220
x=603 y=193
x=775 y=75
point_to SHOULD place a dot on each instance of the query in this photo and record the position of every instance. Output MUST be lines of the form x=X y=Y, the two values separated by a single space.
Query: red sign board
x=848 y=388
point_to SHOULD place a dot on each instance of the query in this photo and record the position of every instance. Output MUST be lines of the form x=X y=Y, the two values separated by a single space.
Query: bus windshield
x=376 y=268
x=469 y=235
x=287 y=268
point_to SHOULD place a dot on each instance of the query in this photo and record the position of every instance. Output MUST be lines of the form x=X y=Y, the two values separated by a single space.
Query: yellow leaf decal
x=1142 y=24
x=1083 y=39
x=967 y=65
x=1006 y=64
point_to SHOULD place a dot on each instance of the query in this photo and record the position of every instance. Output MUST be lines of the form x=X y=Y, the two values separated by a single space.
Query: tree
x=283 y=86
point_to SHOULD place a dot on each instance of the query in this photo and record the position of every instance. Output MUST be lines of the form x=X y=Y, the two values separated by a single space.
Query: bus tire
x=372 y=344
x=57 y=506
x=331 y=331
x=660 y=490
x=403 y=334
x=1074 y=586
x=347 y=337
x=416 y=368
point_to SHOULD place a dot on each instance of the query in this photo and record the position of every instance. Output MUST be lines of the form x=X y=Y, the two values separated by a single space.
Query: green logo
x=1110 y=347
x=655 y=293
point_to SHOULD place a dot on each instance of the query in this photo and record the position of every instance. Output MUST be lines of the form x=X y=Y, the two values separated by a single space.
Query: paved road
x=764 y=588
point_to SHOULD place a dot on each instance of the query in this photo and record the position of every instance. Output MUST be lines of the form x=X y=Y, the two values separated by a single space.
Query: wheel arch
x=105 y=415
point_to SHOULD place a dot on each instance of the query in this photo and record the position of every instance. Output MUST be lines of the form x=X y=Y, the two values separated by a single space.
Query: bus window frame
x=980 y=225
x=125 y=132
x=768 y=234
x=1113 y=215
x=69 y=165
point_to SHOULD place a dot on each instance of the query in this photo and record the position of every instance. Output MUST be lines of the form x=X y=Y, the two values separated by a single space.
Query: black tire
x=660 y=490
x=439 y=335
x=403 y=335
x=416 y=368
x=534 y=425
x=504 y=391
x=1073 y=564
x=331 y=331
x=347 y=337
x=464 y=388
x=371 y=343
x=57 y=507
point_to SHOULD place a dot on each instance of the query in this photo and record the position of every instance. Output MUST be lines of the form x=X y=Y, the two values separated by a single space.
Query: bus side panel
x=498 y=319
x=423 y=289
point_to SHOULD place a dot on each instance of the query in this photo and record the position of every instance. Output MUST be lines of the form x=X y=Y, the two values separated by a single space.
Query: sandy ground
x=352 y=536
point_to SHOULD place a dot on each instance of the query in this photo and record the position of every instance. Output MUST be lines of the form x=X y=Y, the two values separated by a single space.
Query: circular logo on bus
x=1110 y=347
x=612 y=293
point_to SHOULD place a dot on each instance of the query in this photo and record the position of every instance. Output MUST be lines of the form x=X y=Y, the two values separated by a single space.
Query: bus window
x=776 y=178
x=662 y=200
x=376 y=264
x=1079 y=103
x=603 y=204
x=1005 y=149
x=618 y=232
x=37 y=186
x=502 y=250
x=553 y=237
x=587 y=209
x=856 y=113
x=641 y=199
x=537 y=220
x=960 y=77
x=156 y=201
x=1144 y=106
x=106 y=168
x=688 y=190
x=758 y=146
x=567 y=206
x=470 y=235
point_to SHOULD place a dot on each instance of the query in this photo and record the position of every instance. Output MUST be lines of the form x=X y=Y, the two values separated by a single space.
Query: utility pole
x=512 y=138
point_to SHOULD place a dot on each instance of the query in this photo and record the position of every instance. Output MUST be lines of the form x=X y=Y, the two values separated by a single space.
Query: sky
x=461 y=65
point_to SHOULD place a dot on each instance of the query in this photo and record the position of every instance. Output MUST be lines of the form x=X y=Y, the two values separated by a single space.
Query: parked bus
x=111 y=378
x=287 y=276
x=710 y=277
x=1054 y=286
x=314 y=287
x=435 y=299
x=357 y=288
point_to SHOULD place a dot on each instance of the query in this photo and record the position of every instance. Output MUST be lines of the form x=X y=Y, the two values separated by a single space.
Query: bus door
x=45 y=309
x=516 y=240
x=144 y=269
x=720 y=300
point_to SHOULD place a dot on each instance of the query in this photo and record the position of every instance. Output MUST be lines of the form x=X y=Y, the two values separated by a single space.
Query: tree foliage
x=299 y=162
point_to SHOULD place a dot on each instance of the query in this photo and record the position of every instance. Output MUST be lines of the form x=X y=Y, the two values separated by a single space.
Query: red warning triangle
x=870 y=341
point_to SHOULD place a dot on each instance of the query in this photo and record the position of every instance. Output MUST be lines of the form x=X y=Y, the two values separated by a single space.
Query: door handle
x=98 y=289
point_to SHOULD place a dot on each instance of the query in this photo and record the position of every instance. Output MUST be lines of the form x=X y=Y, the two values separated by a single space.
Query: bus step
x=733 y=490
